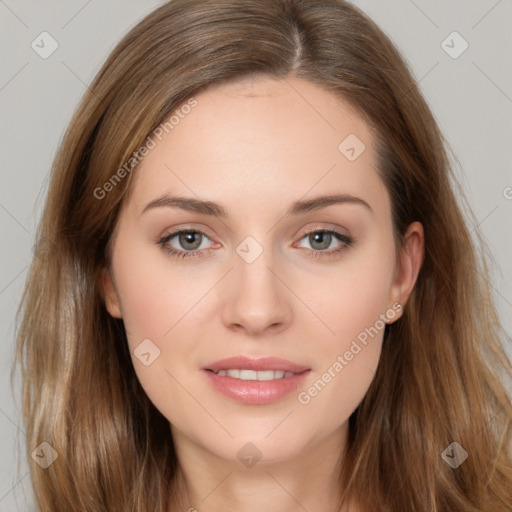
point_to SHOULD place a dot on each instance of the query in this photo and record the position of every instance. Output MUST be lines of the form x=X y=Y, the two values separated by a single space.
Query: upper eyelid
x=179 y=229
x=320 y=226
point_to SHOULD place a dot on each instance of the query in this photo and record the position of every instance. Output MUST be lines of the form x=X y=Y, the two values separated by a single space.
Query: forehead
x=256 y=141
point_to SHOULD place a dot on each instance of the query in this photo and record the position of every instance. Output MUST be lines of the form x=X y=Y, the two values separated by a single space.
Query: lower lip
x=256 y=392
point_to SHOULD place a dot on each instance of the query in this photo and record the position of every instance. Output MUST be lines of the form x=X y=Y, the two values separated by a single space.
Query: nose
x=256 y=298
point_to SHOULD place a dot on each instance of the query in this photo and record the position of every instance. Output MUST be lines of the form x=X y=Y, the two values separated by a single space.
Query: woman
x=250 y=371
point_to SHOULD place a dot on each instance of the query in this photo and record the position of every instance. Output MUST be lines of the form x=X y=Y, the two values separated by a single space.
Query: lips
x=255 y=381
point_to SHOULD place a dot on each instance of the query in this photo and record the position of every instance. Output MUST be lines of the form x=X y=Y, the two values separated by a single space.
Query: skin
x=255 y=147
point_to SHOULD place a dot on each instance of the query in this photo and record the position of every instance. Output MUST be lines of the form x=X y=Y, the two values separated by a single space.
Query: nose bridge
x=255 y=258
x=257 y=298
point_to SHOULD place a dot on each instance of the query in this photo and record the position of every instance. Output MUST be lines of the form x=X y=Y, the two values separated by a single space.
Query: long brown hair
x=440 y=376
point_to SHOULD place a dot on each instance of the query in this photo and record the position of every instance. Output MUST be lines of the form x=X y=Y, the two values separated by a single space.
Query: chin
x=259 y=445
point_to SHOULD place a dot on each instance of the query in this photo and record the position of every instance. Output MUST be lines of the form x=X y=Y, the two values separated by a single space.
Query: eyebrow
x=215 y=209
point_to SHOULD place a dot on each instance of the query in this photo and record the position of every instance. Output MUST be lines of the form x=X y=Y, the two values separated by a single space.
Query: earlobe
x=110 y=294
x=408 y=266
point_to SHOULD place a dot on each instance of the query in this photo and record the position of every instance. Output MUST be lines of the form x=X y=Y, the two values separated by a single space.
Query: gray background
x=471 y=97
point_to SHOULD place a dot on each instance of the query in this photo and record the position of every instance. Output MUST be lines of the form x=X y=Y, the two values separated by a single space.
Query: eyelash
x=164 y=244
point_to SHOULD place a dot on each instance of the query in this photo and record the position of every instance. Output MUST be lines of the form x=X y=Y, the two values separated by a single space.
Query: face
x=267 y=272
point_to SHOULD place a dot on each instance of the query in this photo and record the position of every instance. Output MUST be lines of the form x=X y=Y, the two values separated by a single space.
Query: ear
x=408 y=267
x=110 y=294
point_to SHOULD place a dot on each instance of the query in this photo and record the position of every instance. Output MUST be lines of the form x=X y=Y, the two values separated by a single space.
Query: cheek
x=350 y=296
x=153 y=295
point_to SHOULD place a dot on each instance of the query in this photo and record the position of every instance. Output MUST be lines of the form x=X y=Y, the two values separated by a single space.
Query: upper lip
x=264 y=363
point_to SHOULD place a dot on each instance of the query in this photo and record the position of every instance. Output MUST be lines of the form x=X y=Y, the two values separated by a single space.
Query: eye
x=321 y=240
x=188 y=239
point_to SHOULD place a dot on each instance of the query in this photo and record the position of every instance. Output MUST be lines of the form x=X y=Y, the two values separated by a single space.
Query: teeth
x=254 y=375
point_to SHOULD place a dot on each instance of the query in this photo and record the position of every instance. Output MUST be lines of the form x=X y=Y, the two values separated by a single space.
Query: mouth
x=255 y=381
